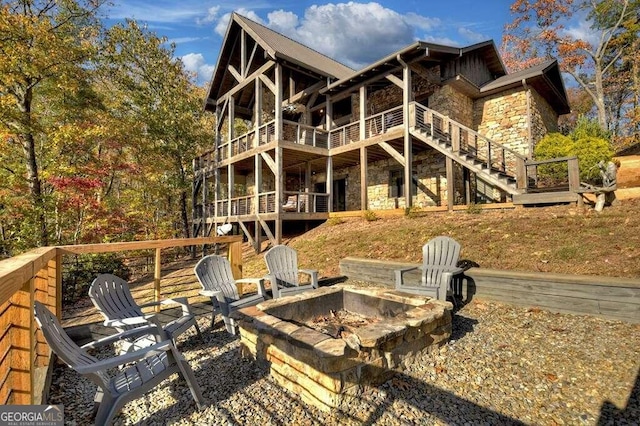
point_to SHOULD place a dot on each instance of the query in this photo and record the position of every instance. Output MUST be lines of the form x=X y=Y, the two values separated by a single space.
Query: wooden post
x=156 y=277
x=574 y=174
x=521 y=173
x=58 y=288
x=329 y=184
x=364 y=184
x=450 y=186
x=231 y=118
x=279 y=194
x=234 y=252
x=307 y=188
x=278 y=102
x=408 y=148
x=363 y=112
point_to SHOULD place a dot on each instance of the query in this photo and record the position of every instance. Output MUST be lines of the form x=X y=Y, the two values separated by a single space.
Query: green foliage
x=586 y=127
x=581 y=143
x=333 y=221
x=78 y=275
x=369 y=216
x=413 y=212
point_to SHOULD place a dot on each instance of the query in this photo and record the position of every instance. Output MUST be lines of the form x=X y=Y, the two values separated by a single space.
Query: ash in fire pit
x=327 y=344
x=339 y=324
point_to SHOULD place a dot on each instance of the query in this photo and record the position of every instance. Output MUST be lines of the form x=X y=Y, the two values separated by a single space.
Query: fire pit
x=326 y=345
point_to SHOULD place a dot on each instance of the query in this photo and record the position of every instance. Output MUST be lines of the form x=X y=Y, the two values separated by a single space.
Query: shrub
x=412 y=212
x=369 y=216
x=553 y=145
x=333 y=221
x=590 y=150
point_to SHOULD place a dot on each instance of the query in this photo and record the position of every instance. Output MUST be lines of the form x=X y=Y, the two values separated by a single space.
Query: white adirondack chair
x=282 y=263
x=216 y=278
x=112 y=297
x=142 y=369
x=439 y=258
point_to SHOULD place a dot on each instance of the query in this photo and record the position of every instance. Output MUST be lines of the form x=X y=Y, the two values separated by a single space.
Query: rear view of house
x=428 y=125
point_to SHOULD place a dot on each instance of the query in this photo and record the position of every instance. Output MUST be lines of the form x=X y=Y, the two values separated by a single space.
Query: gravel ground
x=503 y=365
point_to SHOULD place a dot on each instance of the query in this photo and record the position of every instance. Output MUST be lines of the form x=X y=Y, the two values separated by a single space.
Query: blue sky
x=354 y=33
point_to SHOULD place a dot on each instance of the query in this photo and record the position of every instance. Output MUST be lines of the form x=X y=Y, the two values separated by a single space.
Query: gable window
x=396 y=184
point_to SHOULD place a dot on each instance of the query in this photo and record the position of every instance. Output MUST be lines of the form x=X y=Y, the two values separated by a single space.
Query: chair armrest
x=120 y=322
x=218 y=294
x=313 y=274
x=455 y=271
x=134 y=332
x=259 y=282
x=126 y=358
x=399 y=274
x=186 y=308
x=274 y=285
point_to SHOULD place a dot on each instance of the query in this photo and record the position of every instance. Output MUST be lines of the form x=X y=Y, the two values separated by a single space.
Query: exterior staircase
x=494 y=163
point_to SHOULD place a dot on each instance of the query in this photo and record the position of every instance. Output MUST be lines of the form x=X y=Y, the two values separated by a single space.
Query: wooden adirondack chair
x=439 y=258
x=112 y=297
x=215 y=277
x=142 y=369
x=282 y=262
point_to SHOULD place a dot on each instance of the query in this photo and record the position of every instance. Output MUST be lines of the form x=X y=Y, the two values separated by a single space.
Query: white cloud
x=583 y=32
x=422 y=22
x=195 y=63
x=157 y=11
x=212 y=15
x=181 y=40
x=282 y=21
x=472 y=36
x=223 y=22
x=445 y=41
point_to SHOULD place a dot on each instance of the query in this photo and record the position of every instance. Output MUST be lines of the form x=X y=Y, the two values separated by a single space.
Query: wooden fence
x=608 y=297
x=37 y=275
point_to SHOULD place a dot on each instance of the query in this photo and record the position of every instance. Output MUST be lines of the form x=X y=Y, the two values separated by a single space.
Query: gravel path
x=503 y=365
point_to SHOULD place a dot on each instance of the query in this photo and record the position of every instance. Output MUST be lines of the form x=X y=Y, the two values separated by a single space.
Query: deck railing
x=294 y=201
x=306 y=202
x=37 y=275
x=304 y=135
x=556 y=174
x=462 y=139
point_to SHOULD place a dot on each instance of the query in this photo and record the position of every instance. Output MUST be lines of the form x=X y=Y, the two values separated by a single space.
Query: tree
x=539 y=30
x=43 y=42
x=154 y=88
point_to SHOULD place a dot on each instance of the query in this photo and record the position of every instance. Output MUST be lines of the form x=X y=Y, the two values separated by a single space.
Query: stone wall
x=449 y=102
x=543 y=118
x=503 y=118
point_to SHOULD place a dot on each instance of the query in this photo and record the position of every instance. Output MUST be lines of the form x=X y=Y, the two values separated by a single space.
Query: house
x=319 y=137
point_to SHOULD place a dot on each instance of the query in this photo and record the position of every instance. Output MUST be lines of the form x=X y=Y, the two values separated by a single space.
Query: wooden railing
x=295 y=201
x=37 y=275
x=304 y=135
x=556 y=174
x=462 y=139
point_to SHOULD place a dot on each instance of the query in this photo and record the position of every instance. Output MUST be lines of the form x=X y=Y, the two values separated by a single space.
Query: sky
x=354 y=33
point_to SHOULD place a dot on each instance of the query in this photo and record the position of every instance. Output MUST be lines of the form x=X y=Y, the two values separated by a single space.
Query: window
x=396 y=184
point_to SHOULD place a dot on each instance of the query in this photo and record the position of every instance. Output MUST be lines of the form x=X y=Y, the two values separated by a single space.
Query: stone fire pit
x=311 y=353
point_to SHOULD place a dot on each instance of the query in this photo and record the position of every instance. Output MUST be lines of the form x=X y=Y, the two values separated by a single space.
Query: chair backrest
x=61 y=343
x=438 y=255
x=282 y=262
x=112 y=296
x=214 y=273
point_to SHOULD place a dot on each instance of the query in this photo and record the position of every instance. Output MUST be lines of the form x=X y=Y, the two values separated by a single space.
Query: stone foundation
x=326 y=371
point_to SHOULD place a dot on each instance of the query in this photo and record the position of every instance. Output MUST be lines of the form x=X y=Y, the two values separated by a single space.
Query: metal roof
x=280 y=46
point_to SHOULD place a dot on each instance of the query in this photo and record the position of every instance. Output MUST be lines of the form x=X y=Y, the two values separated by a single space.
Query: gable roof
x=277 y=46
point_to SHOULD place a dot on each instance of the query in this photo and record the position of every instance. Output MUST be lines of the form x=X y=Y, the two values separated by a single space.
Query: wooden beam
x=395 y=80
x=257 y=107
x=264 y=68
x=392 y=152
x=278 y=103
x=247 y=233
x=279 y=192
x=311 y=90
x=267 y=82
x=250 y=62
x=267 y=231
x=243 y=53
x=363 y=112
x=234 y=72
x=270 y=162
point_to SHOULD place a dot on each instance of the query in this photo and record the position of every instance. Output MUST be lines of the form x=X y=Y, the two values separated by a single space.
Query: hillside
x=560 y=239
